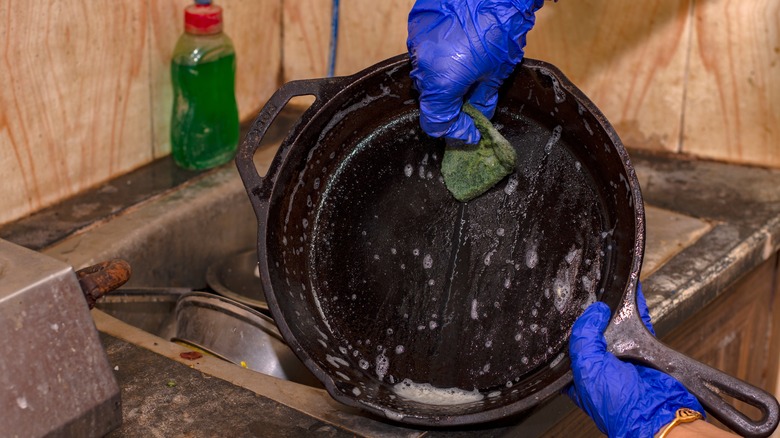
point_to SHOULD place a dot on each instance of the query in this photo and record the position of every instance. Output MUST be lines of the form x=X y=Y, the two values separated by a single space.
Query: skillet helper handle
x=257 y=187
x=631 y=340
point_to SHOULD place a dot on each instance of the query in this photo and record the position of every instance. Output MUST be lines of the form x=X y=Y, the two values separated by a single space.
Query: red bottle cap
x=203 y=19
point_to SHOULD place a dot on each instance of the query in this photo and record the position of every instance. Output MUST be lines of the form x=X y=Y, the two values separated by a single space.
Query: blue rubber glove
x=624 y=399
x=464 y=49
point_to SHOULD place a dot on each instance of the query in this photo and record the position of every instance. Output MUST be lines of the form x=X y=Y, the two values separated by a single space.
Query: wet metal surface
x=238 y=334
x=149 y=309
x=237 y=277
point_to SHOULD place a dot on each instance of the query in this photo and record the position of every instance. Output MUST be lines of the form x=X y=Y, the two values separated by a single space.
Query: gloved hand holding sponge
x=461 y=51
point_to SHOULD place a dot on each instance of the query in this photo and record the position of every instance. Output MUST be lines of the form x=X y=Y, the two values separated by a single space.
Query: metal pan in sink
x=238 y=334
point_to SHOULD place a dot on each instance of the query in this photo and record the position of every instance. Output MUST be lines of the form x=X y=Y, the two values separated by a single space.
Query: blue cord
x=334 y=36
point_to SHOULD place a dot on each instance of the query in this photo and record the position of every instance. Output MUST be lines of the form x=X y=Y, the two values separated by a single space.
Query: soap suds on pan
x=431 y=395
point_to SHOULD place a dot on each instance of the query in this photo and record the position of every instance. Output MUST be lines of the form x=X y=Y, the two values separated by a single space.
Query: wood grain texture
x=628 y=57
x=732 y=109
x=306 y=38
x=369 y=32
x=255 y=29
x=75 y=98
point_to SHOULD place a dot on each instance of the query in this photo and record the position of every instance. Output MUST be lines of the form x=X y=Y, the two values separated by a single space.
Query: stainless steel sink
x=149 y=309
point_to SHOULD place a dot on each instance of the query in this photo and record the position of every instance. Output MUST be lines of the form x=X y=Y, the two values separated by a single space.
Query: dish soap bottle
x=204 y=123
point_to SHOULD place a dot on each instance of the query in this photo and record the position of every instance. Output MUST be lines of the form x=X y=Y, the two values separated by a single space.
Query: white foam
x=531 y=257
x=382 y=365
x=488 y=256
x=511 y=185
x=393 y=415
x=474 y=314
x=431 y=395
x=408 y=170
x=427 y=261
x=336 y=361
x=556 y=361
x=554 y=138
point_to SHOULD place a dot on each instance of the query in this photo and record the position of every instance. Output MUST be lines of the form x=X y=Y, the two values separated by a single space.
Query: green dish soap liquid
x=204 y=122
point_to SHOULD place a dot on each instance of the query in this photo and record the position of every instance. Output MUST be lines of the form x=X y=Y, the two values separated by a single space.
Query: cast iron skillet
x=411 y=305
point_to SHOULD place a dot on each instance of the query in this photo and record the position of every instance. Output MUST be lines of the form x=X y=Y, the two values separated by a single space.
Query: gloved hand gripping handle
x=628 y=338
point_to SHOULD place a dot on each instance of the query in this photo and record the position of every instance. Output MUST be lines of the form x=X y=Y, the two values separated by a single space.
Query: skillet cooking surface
x=489 y=283
x=409 y=303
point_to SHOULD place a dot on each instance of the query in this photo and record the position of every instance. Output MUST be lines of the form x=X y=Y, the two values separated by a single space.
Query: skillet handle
x=629 y=339
x=259 y=188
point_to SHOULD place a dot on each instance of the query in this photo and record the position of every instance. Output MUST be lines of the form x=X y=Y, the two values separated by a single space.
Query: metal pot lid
x=238 y=278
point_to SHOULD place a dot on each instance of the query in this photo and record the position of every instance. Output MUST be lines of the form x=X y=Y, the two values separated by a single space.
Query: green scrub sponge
x=470 y=170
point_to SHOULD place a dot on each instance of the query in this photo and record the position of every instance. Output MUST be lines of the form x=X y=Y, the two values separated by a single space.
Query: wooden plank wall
x=86 y=89
x=75 y=98
x=369 y=31
x=629 y=60
x=86 y=92
x=700 y=77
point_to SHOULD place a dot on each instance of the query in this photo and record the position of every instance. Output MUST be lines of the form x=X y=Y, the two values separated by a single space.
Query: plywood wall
x=75 y=98
x=369 y=31
x=629 y=58
x=701 y=77
x=732 y=109
x=86 y=91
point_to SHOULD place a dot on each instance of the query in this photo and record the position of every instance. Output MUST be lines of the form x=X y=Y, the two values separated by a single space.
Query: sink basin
x=149 y=309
